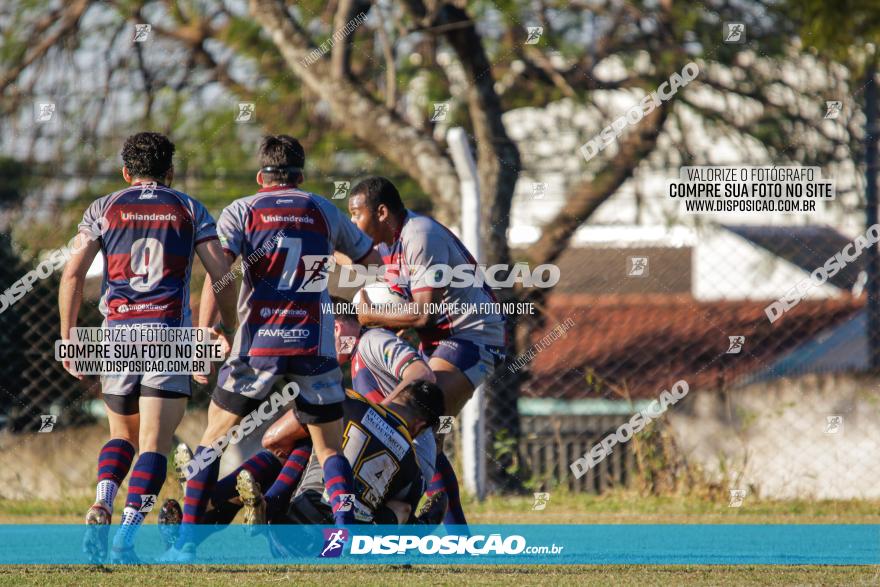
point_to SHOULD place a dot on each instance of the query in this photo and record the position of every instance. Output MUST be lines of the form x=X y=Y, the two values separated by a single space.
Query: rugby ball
x=378 y=293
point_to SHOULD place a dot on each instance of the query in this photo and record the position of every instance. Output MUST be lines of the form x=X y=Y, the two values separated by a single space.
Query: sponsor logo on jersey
x=283 y=218
x=267 y=312
x=391 y=438
x=135 y=216
x=286 y=334
x=125 y=308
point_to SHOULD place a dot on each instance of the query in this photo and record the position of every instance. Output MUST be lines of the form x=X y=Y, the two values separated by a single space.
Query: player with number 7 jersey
x=285 y=238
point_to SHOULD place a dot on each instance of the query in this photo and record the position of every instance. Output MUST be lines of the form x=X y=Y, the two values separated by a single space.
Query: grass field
x=442 y=575
x=619 y=507
x=613 y=508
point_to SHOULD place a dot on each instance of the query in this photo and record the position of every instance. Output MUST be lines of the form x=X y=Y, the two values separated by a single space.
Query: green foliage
x=14 y=181
x=835 y=27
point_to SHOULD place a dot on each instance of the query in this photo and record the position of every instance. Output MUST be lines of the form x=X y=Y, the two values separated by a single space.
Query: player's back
x=380 y=450
x=424 y=246
x=378 y=363
x=286 y=238
x=149 y=237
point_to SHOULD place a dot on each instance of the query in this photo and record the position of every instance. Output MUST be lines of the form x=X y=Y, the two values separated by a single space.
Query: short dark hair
x=148 y=154
x=379 y=190
x=425 y=398
x=346 y=308
x=285 y=155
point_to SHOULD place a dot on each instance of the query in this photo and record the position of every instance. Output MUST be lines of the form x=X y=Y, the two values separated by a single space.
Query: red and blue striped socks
x=264 y=466
x=278 y=496
x=114 y=462
x=144 y=486
x=199 y=488
x=339 y=480
x=445 y=480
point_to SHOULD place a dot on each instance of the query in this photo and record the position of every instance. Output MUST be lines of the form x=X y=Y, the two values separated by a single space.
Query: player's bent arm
x=217 y=263
x=283 y=434
x=415 y=371
x=371 y=258
x=73 y=278
x=416 y=315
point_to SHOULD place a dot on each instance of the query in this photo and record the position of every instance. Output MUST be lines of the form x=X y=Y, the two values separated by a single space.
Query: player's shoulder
x=292 y=197
x=146 y=194
x=186 y=199
x=376 y=336
x=421 y=226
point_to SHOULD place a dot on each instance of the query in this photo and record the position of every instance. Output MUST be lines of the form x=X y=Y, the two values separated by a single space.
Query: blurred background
x=648 y=295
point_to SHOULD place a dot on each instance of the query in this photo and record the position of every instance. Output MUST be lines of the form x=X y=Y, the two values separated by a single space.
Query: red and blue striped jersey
x=286 y=238
x=378 y=363
x=149 y=237
x=421 y=248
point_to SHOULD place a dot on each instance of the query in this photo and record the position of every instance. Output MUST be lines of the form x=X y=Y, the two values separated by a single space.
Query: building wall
x=728 y=267
x=776 y=436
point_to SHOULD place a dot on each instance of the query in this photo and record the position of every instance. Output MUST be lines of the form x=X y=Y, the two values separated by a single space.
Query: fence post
x=471 y=419
x=872 y=262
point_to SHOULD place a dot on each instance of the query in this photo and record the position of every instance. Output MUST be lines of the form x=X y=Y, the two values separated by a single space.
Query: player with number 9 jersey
x=150 y=233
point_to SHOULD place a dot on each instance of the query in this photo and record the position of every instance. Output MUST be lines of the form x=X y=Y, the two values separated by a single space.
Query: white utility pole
x=471 y=419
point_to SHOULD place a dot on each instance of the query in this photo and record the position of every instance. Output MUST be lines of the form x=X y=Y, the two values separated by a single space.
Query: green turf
x=615 y=507
x=442 y=575
x=619 y=507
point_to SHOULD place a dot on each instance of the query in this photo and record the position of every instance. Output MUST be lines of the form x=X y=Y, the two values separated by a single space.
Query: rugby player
x=464 y=345
x=150 y=235
x=378 y=444
x=382 y=365
x=286 y=238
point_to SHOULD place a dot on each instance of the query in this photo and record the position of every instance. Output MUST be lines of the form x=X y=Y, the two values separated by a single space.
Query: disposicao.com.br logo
x=475 y=545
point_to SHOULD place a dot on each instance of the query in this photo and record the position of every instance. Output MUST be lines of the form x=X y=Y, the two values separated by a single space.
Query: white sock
x=131 y=521
x=107 y=489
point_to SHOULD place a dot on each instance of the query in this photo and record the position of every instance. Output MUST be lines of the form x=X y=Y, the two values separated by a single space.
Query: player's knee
x=278 y=446
x=220 y=422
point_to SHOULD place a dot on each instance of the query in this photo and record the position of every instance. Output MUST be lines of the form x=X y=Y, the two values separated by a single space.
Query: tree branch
x=358 y=114
x=340 y=56
x=498 y=161
x=66 y=26
x=587 y=196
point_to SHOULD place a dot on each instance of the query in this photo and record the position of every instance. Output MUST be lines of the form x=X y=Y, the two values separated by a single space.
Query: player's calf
x=146 y=481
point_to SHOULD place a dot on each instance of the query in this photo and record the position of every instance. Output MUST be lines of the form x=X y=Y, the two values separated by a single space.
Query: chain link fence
x=782 y=408
x=781 y=403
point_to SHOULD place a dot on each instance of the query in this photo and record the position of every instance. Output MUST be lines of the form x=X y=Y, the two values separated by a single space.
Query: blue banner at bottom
x=794 y=544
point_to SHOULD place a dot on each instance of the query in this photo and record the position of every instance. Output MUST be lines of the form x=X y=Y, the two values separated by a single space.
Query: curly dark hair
x=148 y=154
x=284 y=153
